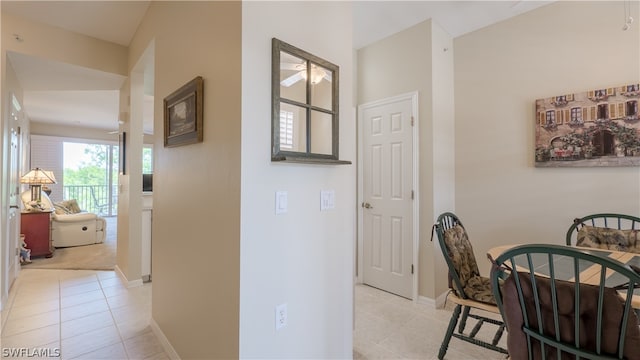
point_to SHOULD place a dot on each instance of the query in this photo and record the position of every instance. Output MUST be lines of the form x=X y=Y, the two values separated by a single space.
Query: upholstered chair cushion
x=610 y=239
x=612 y=314
x=459 y=247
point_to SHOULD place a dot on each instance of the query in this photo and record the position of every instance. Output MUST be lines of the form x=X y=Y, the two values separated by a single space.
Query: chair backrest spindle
x=551 y=299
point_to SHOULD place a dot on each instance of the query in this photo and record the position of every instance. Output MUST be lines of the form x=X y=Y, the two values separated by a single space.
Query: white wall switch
x=327 y=200
x=281 y=202
x=281 y=316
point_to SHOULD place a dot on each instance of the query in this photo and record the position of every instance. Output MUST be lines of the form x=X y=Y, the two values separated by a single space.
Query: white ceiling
x=374 y=20
x=67 y=94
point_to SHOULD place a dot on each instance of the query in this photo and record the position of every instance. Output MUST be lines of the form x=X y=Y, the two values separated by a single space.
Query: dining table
x=589 y=273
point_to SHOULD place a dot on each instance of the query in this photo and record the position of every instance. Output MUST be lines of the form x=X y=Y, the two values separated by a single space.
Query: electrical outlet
x=281 y=316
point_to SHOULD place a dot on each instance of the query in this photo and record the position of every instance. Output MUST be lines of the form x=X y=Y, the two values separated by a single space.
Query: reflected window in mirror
x=304 y=106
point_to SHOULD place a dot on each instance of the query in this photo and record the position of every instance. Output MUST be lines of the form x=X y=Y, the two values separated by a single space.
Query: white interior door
x=387 y=196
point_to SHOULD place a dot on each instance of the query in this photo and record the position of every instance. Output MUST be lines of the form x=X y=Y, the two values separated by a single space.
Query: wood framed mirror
x=305 y=111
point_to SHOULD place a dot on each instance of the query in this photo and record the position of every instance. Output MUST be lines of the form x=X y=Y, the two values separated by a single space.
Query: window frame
x=280 y=153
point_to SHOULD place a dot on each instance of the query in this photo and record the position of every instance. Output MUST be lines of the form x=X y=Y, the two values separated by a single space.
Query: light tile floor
x=92 y=315
x=391 y=327
x=79 y=313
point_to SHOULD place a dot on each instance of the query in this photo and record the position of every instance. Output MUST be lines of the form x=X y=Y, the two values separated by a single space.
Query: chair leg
x=463 y=319
x=452 y=326
x=476 y=328
x=498 y=335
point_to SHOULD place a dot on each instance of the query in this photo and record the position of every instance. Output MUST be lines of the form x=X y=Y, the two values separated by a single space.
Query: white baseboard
x=126 y=281
x=426 y=301
x=441 y=300
x=166 y=345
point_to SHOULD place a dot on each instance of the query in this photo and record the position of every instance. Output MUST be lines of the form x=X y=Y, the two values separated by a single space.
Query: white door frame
x=413 y=96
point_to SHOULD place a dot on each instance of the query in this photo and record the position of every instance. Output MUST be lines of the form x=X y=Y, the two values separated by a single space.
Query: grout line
x=115 y=323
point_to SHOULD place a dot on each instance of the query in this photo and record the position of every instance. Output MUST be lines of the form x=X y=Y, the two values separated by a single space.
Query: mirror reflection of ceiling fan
x=317 y=73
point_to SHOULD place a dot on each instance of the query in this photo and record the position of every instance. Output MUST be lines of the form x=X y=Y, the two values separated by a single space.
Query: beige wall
x=304 y=258
x=196 y=216
x=415 y=60
x=54 y=43
x=500 y=71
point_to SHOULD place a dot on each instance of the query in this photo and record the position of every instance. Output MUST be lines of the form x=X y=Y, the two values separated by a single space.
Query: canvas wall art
x=599 y=127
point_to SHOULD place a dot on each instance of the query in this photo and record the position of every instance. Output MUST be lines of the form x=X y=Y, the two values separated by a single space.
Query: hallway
x=79 y=314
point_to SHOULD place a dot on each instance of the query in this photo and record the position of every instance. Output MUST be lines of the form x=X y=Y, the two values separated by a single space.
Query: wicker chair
x=468 y=289
x=606 y=231
x=549 y=317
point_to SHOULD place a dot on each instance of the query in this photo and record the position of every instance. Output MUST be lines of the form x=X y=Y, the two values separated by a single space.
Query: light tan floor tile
x=114 y=281
x=383 y=331
x=111 y=352
x=115 y=290
x=78 y=280
x=367 y=350
x=134 y=327
x=80 y=289
x=34 y=296
x=50 y=286
x=82 y=310
x=84 y=324
x=19 y=311
x=127 y=313
x=28 y=323
x=72 y=274
x=374 y=329
x=33 y=338
x=142 y=346
x=89 y=342
x=106 y=274
x=128 y=299
x=71 y=300
x=410 y=345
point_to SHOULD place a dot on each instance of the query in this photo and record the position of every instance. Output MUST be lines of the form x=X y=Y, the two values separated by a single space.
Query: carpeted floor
x=87 y=257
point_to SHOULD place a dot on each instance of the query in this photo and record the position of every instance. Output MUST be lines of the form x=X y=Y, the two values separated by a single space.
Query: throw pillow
x=73 y=206
x=60 y=209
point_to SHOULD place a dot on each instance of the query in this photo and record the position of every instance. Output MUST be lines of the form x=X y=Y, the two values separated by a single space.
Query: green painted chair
x=468 y=290
x=606 y=231
x=549 y=317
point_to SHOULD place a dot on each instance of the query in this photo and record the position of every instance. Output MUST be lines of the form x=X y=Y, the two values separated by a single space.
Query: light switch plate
x=281 y=202
x=327 y=200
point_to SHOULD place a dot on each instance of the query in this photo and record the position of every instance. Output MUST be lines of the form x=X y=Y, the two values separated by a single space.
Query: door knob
x=367 y=205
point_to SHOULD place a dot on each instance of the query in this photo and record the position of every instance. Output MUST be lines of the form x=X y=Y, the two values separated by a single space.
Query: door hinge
x=412 y=268
x=413 y=194
x=412 y=121
x=17 y=251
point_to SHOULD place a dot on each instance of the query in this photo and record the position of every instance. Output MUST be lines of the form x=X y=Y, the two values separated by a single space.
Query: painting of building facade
x=599 y=127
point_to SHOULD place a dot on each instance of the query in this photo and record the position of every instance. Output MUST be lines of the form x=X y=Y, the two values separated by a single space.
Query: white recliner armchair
x=69 y=227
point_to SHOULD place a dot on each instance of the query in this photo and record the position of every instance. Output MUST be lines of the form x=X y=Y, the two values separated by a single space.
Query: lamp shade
x=38 y=176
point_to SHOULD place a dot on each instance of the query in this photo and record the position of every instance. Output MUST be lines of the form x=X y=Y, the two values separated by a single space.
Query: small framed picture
x=183 y=114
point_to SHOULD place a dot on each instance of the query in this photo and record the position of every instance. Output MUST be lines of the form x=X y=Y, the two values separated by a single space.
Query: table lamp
x=36 y=178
